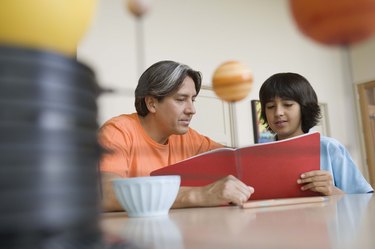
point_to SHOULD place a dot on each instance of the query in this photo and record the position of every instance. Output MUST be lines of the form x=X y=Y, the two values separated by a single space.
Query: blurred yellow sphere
x=45 y=24
x=232 y=81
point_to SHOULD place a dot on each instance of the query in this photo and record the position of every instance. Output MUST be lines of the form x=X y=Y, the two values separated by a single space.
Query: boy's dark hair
x=291 y=86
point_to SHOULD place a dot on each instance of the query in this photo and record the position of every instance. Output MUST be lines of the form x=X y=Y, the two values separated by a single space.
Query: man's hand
x=222 y=192
x=319 y=181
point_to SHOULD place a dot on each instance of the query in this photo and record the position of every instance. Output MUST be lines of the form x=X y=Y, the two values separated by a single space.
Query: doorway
x=366 y=93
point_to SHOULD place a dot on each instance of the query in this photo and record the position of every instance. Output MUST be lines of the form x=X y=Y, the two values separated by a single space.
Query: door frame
x=369 y=143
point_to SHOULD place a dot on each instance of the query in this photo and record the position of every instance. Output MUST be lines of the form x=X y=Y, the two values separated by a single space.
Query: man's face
x=174 y=112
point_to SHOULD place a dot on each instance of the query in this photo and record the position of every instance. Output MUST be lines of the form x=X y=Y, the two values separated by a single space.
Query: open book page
x=214 y=151
x=271 y=168
x=279 y=164
x=204 y=168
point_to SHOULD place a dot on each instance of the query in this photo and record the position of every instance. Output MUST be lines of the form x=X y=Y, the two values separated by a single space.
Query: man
x=158 y=135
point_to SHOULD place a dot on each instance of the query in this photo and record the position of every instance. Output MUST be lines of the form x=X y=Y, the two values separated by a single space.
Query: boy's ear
x=151 y=103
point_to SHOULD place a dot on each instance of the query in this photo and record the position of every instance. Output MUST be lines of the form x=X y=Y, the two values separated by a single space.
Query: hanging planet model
x=232 y=81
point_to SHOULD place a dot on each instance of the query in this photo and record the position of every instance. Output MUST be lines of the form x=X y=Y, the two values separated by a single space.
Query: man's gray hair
x=163 y=79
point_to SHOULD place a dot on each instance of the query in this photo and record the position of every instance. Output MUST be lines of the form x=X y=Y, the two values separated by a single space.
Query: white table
x=342 y=222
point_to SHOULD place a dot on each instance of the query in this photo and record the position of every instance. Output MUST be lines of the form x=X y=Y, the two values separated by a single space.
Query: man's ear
x=151 y=103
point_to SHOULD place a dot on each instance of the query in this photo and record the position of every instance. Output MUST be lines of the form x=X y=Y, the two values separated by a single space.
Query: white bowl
x=147 y=196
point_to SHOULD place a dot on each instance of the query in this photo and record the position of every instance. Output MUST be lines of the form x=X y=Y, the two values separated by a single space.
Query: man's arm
x=222 y=192
x=109 y=200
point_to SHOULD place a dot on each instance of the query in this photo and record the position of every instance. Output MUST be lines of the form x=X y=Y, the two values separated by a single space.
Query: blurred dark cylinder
x=49 y=192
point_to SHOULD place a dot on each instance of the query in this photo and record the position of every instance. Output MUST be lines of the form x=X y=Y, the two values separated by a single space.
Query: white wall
x=363 y=61
x=203 y=34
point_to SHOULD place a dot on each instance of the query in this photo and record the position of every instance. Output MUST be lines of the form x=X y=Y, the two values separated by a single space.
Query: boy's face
x=284 y=117
x=174 y=112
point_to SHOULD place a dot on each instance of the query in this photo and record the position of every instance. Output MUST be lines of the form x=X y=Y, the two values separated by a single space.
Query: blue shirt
x=346 y=175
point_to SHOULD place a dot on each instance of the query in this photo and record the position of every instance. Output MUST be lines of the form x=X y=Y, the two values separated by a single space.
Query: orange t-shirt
x=131 y=152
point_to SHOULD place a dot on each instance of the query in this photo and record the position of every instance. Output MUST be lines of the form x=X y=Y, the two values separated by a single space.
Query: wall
x=362 y=62
x=203 y=34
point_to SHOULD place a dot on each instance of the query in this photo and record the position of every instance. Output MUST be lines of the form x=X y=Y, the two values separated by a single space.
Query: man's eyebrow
x=185 y=95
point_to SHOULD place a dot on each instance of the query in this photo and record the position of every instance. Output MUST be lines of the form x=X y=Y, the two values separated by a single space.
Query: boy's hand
x=318 y=181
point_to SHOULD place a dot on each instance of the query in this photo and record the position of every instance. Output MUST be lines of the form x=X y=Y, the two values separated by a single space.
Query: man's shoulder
x=123 y=120
x=124 y=124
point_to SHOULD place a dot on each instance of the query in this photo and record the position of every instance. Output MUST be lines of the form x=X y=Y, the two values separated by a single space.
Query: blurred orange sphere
x=232 y=81
x=335 y=22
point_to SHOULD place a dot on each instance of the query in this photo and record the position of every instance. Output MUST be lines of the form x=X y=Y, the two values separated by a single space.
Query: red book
x=271 y=168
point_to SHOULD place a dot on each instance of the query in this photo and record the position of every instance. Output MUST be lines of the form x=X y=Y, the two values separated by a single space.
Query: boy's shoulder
x=330 y=143
x=328 y=140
